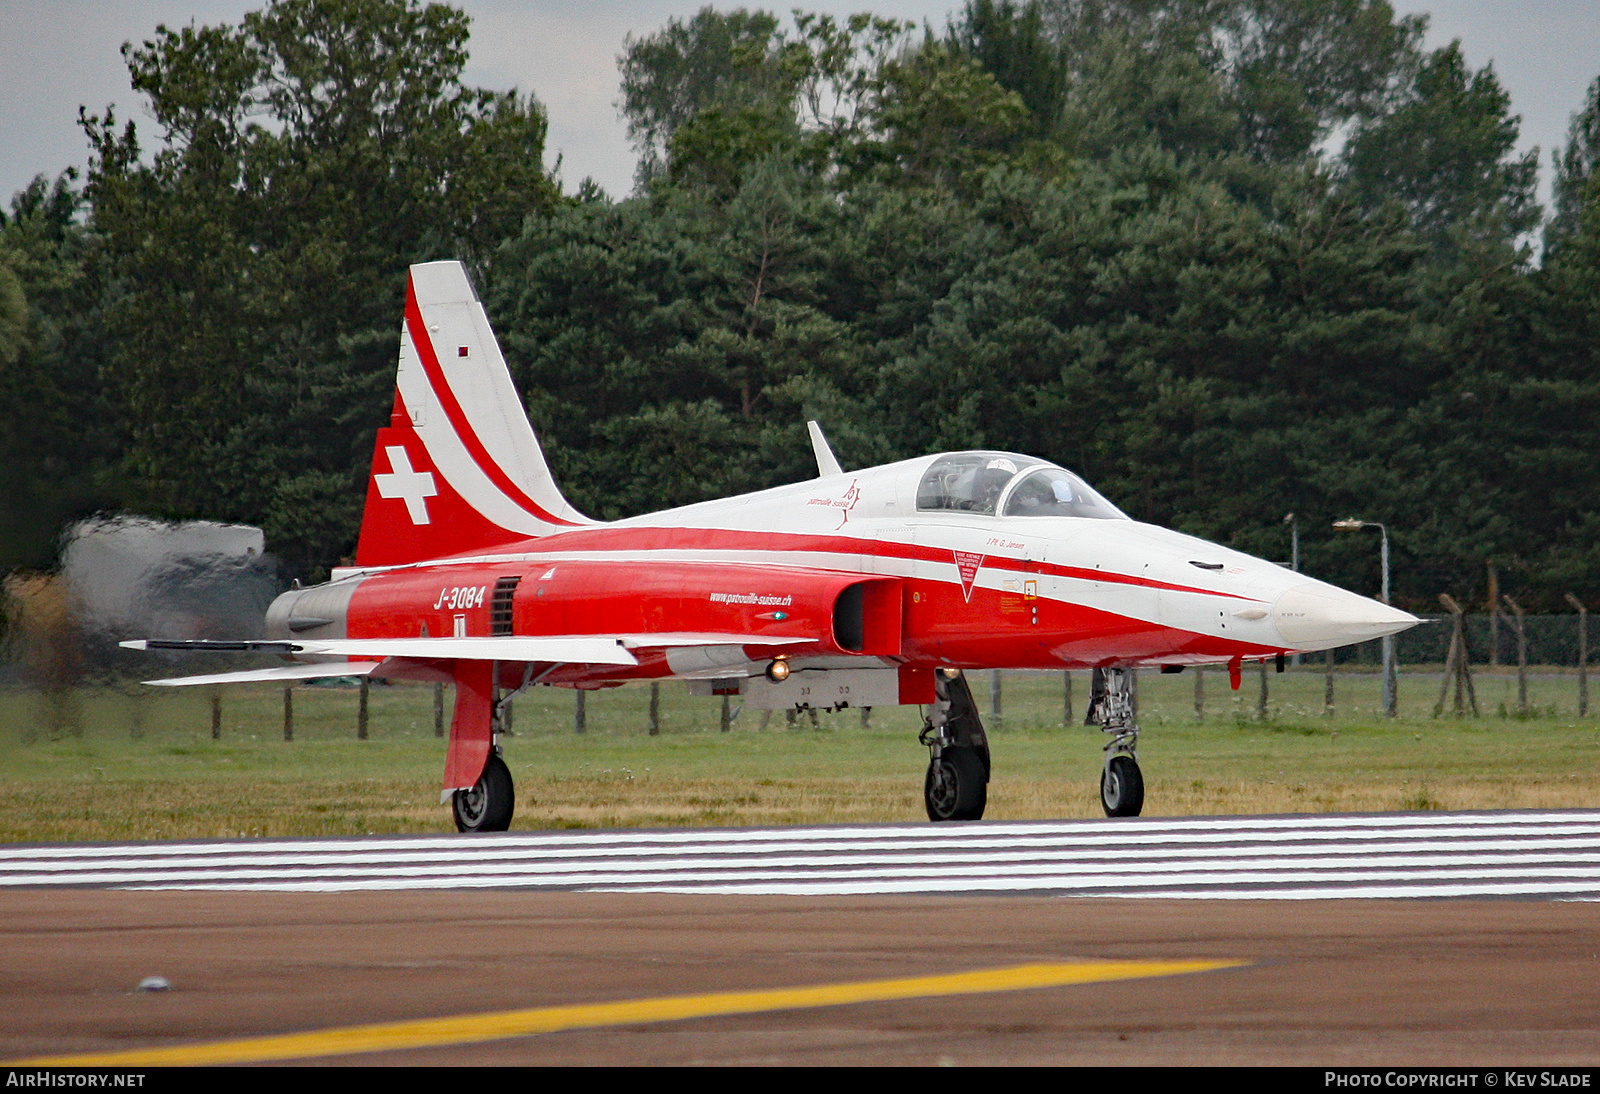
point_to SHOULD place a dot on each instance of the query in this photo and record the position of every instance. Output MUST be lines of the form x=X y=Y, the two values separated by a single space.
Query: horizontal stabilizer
x=282 y=674
x=208 y=645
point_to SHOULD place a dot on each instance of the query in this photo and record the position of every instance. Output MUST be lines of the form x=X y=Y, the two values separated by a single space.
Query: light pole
x=1388 y=639
x=1294 y=551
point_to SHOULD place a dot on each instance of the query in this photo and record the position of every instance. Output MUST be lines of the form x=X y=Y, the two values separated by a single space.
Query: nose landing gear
x=1111 y=708
x=957 y=786
x=1121 y=787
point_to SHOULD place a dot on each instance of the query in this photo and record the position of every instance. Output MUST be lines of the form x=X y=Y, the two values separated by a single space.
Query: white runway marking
x=1553 y=855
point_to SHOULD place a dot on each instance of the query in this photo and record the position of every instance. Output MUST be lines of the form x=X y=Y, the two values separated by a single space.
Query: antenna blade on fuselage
x=826 y=463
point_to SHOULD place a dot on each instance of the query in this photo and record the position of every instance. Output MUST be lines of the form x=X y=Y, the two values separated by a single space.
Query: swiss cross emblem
x=967 y=562
x=412 y=487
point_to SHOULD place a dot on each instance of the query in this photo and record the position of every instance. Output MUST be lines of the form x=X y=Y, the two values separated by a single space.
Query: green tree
x=1574 y=167
x=1010 y=41
x=1557 y=404
x=636 y=328
x=705 y=97
x=1448 y=155
x=729 y=61
x=1274 y=78
x=1298 y=70
x=305 y=158
x=58 y=450
x=938 y=119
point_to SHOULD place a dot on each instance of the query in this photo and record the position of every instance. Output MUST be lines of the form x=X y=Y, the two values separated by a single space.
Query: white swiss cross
x=414 y=487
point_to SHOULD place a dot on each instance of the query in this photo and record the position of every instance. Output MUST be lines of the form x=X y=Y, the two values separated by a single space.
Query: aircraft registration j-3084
x=856 y=588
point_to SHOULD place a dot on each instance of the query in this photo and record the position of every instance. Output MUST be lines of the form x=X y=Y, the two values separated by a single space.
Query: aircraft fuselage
x=849 y=565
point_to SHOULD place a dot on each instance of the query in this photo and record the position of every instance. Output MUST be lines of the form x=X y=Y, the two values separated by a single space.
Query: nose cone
x=1314 y=616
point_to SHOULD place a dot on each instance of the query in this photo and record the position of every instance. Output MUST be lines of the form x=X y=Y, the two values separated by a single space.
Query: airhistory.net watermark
x=51 y=1078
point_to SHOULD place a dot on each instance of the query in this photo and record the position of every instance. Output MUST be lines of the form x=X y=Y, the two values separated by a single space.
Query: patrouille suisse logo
x=968 y=563
x=844 y=503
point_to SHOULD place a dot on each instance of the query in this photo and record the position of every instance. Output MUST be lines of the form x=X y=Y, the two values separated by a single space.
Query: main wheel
x=1122 y=787
x=488 y=806
x=957 y=787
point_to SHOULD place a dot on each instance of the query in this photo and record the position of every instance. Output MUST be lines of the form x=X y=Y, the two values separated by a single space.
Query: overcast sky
x=58 y=54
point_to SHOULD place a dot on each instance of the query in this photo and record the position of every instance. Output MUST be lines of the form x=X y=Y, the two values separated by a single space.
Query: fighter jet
x=867 y=587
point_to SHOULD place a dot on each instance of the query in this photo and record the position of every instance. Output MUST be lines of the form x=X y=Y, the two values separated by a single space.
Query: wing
x=572 y=649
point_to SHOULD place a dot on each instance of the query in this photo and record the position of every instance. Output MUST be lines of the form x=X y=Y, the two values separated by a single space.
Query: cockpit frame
x=984 y=483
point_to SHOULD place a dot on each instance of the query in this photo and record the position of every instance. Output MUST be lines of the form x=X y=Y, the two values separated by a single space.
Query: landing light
x=778 y=671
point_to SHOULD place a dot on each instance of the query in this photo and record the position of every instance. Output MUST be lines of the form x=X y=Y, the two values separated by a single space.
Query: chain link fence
x=1552 y=640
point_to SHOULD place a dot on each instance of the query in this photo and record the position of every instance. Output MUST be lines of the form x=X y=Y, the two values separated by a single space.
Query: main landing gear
x=1111 y=708
x=488 y=806
x=957 y=786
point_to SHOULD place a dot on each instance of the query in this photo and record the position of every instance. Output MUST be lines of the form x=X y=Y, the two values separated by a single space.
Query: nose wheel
x=1121 y=787
x=1111 y=708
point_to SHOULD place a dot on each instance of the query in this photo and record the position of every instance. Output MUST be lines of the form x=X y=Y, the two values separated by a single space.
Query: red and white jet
x=856 y=588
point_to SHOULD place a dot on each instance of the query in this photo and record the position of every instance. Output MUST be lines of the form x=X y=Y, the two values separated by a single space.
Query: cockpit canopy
x=1012 y=485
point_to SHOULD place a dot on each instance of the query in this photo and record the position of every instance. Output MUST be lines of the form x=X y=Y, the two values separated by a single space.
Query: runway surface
x=985 y=943
x=1545 y=855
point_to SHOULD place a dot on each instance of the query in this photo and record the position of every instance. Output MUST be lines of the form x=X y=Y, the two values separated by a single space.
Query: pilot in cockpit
x=989 y=481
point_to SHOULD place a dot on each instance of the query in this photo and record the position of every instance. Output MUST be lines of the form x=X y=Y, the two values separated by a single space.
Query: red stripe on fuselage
x=722 y=539
x=458 y=418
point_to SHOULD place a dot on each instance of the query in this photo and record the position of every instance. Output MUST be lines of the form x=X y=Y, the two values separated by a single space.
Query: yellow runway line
x=471 y=1028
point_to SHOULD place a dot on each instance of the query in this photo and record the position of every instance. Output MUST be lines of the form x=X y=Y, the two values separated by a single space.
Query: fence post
x=1199 y=694
x=1494 y=617
x=438 y=710
x=1066 y=697
x=1327 y=689
x=1522 y=654
x=994 y=697
x=655 y=708
x=1457 y=662
x=288 y=713
x=1583 y=654
x=727 y=715
x=361 y=710
x=1261 y=700
x=580 y=716
x=216 y=714
x=135 y=715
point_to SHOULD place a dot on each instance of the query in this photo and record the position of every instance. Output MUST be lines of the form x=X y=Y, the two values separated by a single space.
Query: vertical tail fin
x=457 y=468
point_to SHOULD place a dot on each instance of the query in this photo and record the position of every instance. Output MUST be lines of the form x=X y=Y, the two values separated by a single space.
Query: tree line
x=1229 y=259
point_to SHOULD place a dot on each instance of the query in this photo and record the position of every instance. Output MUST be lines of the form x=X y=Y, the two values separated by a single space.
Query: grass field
x=142 y=764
